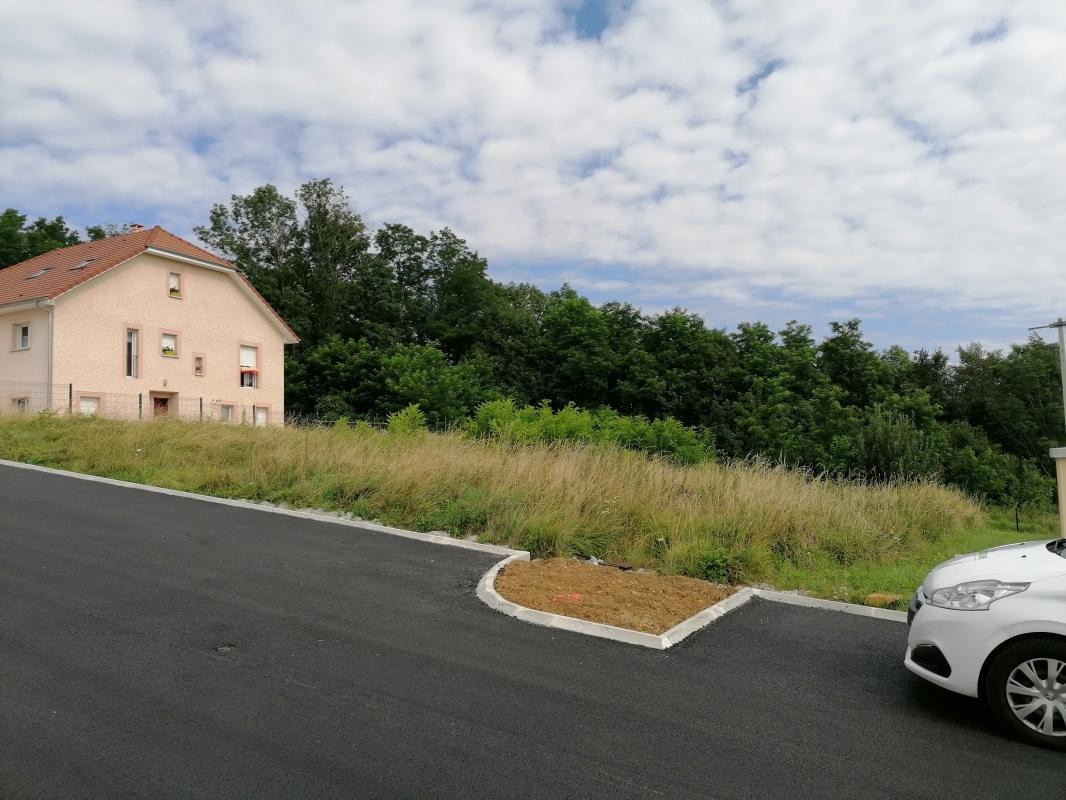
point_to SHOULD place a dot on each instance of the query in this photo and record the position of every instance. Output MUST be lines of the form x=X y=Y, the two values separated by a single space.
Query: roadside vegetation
x=390 y=316
x=746 y=522
x=569 y=427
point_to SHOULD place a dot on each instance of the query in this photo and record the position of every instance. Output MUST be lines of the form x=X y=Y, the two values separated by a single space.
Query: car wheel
x=1025 y=686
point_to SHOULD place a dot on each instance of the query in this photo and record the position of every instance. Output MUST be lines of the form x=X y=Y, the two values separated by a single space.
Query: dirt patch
x=641 y=602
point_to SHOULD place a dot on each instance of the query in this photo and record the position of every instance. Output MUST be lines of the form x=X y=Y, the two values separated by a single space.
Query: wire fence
x=68 y=398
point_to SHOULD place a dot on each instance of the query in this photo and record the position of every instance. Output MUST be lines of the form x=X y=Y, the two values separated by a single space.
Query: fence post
x=140 y=405
x=70 y=398
x=201 y=409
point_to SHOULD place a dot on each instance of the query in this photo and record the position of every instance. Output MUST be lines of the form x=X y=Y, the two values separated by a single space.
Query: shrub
x=665 y=437
x=409 y=421
x=714 y=564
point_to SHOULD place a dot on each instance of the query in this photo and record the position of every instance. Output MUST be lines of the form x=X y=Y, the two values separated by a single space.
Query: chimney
x=135 y=226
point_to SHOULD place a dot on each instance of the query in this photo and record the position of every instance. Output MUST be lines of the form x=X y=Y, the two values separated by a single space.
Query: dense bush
x=666 y=437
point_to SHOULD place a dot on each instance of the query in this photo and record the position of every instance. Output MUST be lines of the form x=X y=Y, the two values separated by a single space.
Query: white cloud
x=886 y=154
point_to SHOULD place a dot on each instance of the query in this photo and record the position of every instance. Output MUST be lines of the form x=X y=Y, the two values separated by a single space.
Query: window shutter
x=249 y=357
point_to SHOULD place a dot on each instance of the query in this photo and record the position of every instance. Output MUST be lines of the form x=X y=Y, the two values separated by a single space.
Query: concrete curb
x=832 y=605
x=486 y=590
x=434 y=538
x=702 y=619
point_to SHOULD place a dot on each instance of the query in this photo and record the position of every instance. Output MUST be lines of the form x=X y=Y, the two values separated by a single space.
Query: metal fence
x=68 y=398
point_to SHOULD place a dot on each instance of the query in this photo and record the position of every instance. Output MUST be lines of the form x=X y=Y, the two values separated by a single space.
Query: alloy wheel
x=1036 y=693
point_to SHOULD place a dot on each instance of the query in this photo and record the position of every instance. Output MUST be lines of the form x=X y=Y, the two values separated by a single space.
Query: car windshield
x=1058 y=547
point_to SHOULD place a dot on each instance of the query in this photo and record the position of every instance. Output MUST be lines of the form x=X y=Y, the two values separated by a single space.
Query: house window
x=21 y=336
x=260 y=414
x=88 y=405
x=170 y=345
x=198 y=365
x=174 y=284
x=225 y=413
x=21 y=404
x=249 y=367
x=133 y=337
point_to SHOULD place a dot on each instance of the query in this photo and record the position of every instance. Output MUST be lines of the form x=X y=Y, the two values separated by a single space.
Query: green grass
x=750 y=522
x=903 y=575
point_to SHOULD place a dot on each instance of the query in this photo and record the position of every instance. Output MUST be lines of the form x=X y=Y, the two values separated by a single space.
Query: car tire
x=1021 y=695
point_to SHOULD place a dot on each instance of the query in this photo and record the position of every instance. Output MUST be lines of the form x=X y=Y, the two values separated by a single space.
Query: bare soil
x=639 y=601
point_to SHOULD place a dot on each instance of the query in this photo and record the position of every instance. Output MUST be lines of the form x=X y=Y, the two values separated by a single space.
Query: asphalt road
x=160 y=647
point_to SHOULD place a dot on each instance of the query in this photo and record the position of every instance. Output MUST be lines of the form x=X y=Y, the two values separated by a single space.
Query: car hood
x=1022 y=563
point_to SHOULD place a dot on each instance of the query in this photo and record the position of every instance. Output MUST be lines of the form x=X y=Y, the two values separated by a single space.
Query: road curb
x=486 y=588
x=832 y=605
x=486 y=592
x=251 y=505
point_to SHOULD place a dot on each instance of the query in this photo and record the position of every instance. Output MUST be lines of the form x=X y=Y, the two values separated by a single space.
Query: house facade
x=139 y=325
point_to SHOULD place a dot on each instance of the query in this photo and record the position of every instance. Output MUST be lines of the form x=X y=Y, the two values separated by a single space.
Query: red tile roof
x=47 y=276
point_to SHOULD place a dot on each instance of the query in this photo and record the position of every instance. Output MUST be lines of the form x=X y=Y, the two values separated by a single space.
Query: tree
x=462 y=295
x=849 y=361
x=577 y=357
x=1015 y=398
x=693 y=367
x=105 y=231
x=301 y=253
x=20 y=240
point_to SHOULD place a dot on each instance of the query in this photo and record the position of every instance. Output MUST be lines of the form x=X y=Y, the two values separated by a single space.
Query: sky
x=900 y=162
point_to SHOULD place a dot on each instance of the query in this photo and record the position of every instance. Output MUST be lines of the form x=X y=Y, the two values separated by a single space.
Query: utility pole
x=1061 y=326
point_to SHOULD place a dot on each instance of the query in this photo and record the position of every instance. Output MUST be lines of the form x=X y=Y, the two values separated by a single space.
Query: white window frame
x=253 y=364
x=21 y=405
x=163 y=346
x=17 y=337
x=174 y=282
x=132 y=361
x=226 y=412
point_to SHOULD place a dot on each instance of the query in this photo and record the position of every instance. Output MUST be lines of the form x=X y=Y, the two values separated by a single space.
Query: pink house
x=138 y=325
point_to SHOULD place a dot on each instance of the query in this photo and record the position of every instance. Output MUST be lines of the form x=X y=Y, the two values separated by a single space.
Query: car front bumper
x=962 y=639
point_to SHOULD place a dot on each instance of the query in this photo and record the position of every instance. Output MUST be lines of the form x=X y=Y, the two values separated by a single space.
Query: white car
x=993 y=625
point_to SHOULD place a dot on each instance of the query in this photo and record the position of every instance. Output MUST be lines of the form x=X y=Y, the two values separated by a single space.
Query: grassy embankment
x=748 y=523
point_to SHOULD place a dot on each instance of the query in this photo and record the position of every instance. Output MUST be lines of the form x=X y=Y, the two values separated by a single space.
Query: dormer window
x=174 y=285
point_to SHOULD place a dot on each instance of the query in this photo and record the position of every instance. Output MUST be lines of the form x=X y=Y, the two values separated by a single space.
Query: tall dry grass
x=558 y=499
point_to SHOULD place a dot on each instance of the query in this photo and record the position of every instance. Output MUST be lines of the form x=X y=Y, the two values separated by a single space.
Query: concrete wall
x=24 y=373
x=212 y=318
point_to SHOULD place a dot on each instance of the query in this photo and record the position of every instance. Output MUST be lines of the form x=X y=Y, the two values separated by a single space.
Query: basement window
x=21 y=404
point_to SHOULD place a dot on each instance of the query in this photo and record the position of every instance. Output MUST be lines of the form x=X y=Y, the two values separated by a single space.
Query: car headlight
x=974 y=596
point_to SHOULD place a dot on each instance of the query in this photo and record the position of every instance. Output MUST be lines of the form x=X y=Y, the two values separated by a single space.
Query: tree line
x=391 y=317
